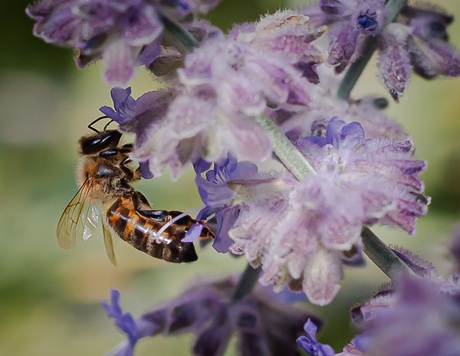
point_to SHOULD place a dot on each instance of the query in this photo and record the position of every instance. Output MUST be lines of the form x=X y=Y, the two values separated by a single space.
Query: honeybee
x=104 y=178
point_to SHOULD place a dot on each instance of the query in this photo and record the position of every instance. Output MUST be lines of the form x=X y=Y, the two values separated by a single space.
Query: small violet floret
x=310 y=345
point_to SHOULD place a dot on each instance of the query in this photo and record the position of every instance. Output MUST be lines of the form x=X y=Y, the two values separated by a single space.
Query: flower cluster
x=299 y=231
x=416 y=40
x=124 y=33
x=226 y=83
x=263 y=325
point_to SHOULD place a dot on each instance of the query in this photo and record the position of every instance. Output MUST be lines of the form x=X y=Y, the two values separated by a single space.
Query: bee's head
x=100 y=141
x=97 y=143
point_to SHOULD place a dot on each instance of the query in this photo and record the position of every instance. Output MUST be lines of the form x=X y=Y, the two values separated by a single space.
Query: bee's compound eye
x=100 y=142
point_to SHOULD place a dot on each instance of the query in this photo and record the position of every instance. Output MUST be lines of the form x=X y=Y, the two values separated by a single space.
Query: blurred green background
x=49 y=298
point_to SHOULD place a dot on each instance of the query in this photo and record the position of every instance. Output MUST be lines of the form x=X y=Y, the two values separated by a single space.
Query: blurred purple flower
x=207 y=310
x=135 y=329
x=455 y=249
x=411 y=315
x=420 y=315
x=428 y=45
x=394 y=60
x=124 y=34
x=310 y=345
x=416 y=40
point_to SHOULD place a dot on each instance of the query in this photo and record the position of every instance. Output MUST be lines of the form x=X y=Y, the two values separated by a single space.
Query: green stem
x=382 y=255
x=178 y=36
x=246 y=283
x=393 y=8
x=288 y=154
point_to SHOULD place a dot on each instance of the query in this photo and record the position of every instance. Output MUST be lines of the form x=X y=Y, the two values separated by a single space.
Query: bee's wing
x=108 y=242
x=79 y=219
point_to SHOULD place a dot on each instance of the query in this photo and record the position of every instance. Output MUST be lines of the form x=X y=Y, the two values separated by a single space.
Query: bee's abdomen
x=141 y=233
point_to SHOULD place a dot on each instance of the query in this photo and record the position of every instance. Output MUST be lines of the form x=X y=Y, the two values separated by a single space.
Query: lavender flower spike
x=262 y=325
x=125 y=34
x=394 y=60
x=112 y=30
x=301 y=242
x=416 y=40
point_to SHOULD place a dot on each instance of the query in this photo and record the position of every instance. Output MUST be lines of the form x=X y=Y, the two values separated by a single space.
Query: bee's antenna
x=90 y=126
x=107 y=124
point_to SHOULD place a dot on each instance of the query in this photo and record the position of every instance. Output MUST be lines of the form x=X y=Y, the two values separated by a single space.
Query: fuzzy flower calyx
x=299 y=232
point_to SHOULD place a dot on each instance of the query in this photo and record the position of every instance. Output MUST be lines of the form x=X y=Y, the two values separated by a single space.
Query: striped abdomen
x=141 y=232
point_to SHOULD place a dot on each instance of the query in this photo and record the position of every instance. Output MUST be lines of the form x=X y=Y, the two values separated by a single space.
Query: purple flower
x=224 y=85
x=207 y=310
x=395 y=197
x=421 y=315
x=416 y=40
x=313 y=118
x=124 y=34
x=124 y=105
x=370 y=16
x=302 y=232
x=310 y=345
x=428 y=45
x=138 y=116
x=411 y=315
x=351 y=22
x=218 y=189
x=343 y=44
x=135 y=329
